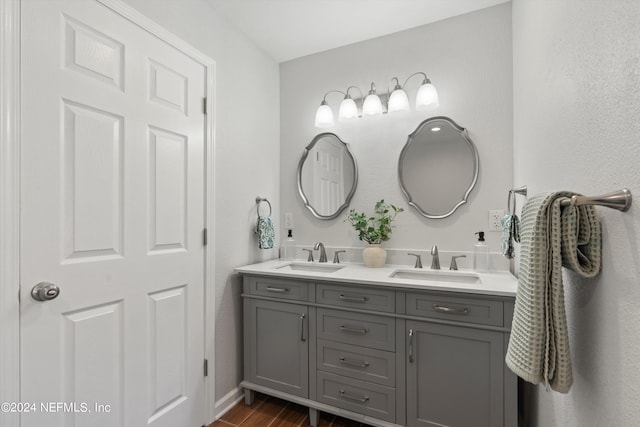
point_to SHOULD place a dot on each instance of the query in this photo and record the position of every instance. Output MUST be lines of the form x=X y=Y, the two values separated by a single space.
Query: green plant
x=377 y=228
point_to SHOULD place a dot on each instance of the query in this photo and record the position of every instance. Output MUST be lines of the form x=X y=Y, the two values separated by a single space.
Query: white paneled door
x=113 y=211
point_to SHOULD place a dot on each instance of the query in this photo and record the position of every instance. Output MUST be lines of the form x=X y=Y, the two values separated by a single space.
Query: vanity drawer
x=460 y=309
x=361 y=363
x=357 y=297
x=365 y=330
x=277 y=288
x=358 y=396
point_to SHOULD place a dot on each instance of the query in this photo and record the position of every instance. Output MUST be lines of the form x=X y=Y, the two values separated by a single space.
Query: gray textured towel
x=551 y=236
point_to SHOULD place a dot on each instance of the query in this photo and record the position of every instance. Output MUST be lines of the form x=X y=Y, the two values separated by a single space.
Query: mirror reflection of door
x=327 y=176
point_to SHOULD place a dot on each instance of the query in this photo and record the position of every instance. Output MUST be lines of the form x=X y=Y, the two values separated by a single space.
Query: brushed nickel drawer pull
x=410 y=345
x=353 y=330
x=344 y=297
x=358 y=364
x=279 y=290
x=362 y=399
x=449 y=310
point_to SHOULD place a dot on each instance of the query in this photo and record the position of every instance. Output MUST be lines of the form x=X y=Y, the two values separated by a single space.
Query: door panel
x=452 y=368
x=277 y=345
x=92 y=344
x=168 y=179
x=168 y=87
x=92 y=53
x=112 y=212
x=167 y=350
x=92 y=164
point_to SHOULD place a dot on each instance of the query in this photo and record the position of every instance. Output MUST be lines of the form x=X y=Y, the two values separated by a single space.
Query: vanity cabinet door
x=276 y=345
x=454 y=376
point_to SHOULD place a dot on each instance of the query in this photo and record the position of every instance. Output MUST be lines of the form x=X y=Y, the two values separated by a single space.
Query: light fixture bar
x=375 y=104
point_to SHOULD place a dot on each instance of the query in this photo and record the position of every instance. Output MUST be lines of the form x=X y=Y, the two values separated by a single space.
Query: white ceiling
x=288 y=29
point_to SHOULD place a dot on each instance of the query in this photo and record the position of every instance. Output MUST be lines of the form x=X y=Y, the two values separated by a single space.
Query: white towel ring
x=260 y=200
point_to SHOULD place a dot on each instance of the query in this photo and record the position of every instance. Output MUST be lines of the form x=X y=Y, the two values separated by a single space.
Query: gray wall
x=576 y=127
x=469 y=60
x=246 y=158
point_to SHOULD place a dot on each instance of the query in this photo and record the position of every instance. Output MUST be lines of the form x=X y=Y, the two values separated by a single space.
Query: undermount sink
x=310 y=267
x=437 y=276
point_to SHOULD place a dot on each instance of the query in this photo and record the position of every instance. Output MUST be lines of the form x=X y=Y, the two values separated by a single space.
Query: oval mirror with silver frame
x=438 y=167
x=327 y=176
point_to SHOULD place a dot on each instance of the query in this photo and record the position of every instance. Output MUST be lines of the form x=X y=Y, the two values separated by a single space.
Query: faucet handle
x=418 y=260
x=454 y=264
x=336 y=256
x=310 y=258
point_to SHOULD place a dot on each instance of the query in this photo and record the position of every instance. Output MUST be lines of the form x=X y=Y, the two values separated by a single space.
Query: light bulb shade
x=398 y=101
x=427 y=97
x=348 y=110
x=324 y=116
x=372 y=105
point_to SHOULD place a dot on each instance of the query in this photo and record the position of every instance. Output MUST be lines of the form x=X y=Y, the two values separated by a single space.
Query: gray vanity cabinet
x=386 y=356
x=454 y=376
x=276 y=346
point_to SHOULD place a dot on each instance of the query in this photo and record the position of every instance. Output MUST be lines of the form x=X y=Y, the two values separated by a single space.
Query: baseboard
x=228 y=401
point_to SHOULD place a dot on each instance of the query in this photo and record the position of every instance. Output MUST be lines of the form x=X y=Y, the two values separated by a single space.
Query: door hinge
x=204 y=105
x=206 y=368
x=205 y=237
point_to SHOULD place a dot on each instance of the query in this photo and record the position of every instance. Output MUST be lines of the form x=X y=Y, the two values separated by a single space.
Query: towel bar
x=260 y=200
x=619 y=200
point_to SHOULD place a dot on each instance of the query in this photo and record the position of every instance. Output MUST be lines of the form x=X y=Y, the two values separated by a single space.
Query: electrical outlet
x=495 y=218
x=288 y=220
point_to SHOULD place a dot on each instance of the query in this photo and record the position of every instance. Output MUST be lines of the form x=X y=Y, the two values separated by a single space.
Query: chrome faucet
x=435 y=261
x=323 y=253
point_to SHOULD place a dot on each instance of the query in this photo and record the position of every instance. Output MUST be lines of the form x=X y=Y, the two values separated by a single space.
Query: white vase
x=374 y=256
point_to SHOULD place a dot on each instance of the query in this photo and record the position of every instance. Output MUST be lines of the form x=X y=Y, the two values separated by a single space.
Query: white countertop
x=499 y=283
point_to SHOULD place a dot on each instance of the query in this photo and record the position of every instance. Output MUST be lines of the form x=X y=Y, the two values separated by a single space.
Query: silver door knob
x=45 y=291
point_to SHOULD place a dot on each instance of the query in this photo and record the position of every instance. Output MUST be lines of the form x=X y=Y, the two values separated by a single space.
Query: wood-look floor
x=269 y=411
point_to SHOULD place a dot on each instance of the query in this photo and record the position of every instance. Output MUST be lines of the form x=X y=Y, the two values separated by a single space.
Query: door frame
x=10 y=207
x=10 y=142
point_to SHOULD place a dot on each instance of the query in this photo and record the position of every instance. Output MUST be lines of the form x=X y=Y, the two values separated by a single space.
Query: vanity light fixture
x=426 y=99
x=397 y=101
x=348 y=108
x=372 y=105
x=324 y=114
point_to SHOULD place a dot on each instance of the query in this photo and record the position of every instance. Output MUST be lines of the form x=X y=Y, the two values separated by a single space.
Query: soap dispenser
x=480 y=254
